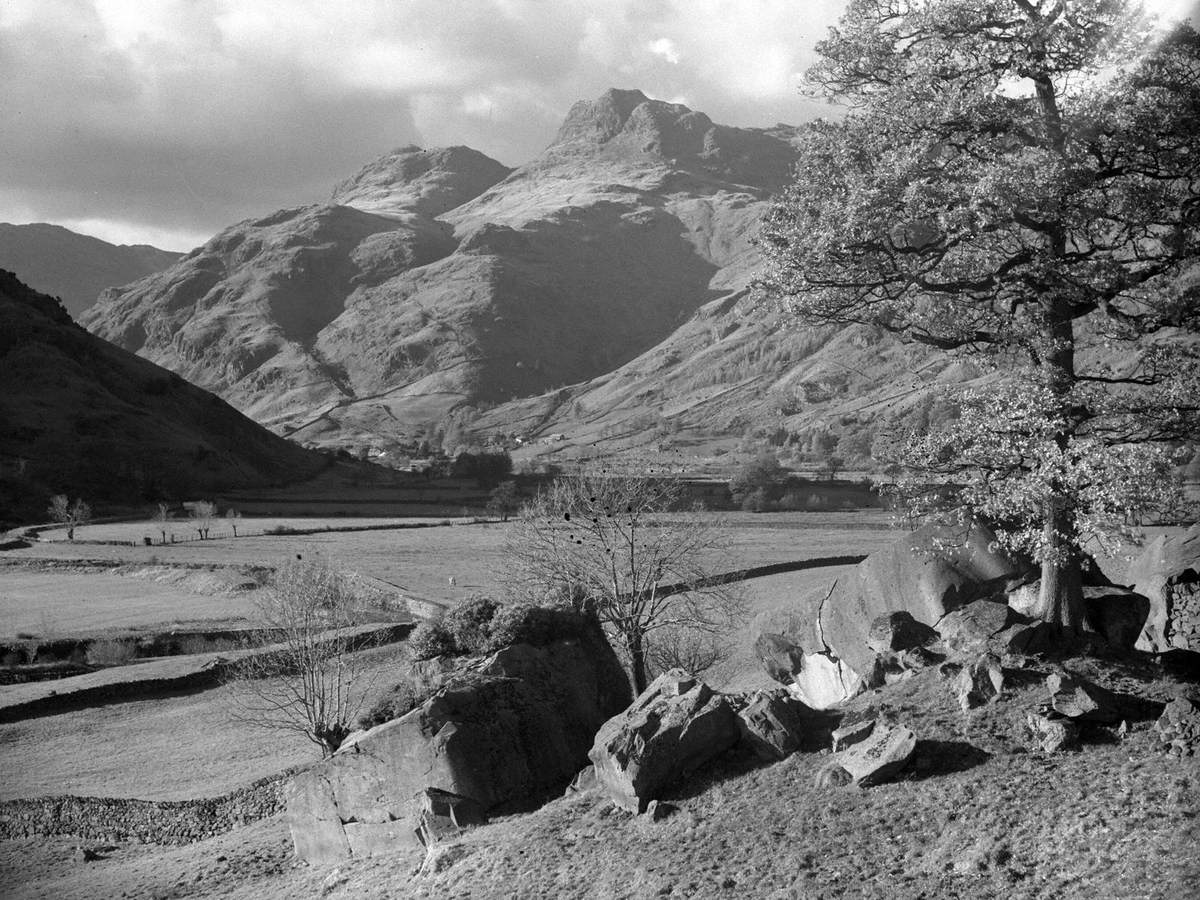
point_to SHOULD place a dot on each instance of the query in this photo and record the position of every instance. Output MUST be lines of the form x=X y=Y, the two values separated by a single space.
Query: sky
x=163 y=121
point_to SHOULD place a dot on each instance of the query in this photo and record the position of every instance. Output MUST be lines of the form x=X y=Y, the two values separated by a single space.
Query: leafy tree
x=604 y=543
x=72 y=515
x=309 y=674
x=1008 y=185
x=759 y=480
x=488 y=468
x=232 y=516
x=504 y=500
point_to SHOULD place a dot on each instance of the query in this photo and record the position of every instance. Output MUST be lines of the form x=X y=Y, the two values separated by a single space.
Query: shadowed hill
x=75 y=267
x=80 y=416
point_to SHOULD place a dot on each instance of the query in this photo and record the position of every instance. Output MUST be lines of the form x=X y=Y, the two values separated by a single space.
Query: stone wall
x=1183 y=605
x=146 y=821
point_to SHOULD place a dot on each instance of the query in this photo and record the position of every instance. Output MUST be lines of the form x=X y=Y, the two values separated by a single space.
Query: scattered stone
x=1026 y=638
x=979 y=682
x=444 y=816
x=898 y=630
x=1178 y=727
x=772 y=724
x=1079 y=699
x=1051 y=731
x=872 y=760
x=969 y=629
x=847 y=735
x=673 y=728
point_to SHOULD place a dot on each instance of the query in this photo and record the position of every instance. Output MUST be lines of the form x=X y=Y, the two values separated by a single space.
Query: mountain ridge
x=75 y=267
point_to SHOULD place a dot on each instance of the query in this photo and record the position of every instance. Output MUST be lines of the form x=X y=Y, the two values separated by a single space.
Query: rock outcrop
x=673 y=728
x=1168 y=575
x=507 y=732
x=930 y=576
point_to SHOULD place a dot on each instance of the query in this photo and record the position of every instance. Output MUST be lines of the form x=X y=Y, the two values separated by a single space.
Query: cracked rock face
x=922 y=578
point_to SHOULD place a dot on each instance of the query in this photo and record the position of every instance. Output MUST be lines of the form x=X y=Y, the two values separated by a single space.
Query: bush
x=430 y=639
x=482 y=625
x=469 y=625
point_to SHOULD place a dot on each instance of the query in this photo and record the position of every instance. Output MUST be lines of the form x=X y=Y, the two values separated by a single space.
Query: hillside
x=76 y=268
x=80 y=416
x=437 y=284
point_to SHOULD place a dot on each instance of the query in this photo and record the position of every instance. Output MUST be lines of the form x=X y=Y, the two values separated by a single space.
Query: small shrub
x=430 y=639
x=519 y=623
x=469 y=625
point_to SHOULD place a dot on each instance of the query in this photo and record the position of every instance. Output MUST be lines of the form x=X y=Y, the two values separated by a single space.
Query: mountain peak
x=411 y=179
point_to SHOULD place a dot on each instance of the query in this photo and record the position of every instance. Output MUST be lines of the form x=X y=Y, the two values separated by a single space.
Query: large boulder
x=677 y=725
x=772 y=724
x=1082 y=701
x=508 y=731
x=1168 y=575
x=1178 y=728
x=925 y=574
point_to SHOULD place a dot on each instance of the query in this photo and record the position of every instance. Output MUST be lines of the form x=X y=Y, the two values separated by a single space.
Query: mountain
x=80 y=416
x=75 y=267
x=438 y=284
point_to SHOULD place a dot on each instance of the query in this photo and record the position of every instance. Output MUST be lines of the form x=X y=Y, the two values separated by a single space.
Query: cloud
x=665 y=47
x=182 y=116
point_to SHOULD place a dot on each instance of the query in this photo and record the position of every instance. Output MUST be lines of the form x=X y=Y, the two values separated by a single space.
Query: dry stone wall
x=146 y=821
x=1183 y=604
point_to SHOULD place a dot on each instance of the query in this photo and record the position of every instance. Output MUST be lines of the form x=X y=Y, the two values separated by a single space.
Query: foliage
x=759 y=480
x=72 y=515
x=504 y=500
x=312 y=678
x=1017 y=181
x=484 y=626
x=403 y=697
x=606 y=542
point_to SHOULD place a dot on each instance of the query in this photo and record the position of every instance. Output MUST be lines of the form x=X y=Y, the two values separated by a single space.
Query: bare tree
x=162 y=516
x=608 y=543
x=72 y=515
x=309 y=674
x=204 y=511
x=231 y=516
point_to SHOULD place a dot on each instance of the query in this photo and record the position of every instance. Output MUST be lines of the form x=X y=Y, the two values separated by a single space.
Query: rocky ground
x=979 y=812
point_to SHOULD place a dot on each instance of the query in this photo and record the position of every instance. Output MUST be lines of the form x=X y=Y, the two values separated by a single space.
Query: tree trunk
x=637 y=663
x=1060 y=601
x=1061 y=598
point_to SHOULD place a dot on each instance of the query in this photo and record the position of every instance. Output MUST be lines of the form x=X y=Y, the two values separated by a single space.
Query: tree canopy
x=1018 y=180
